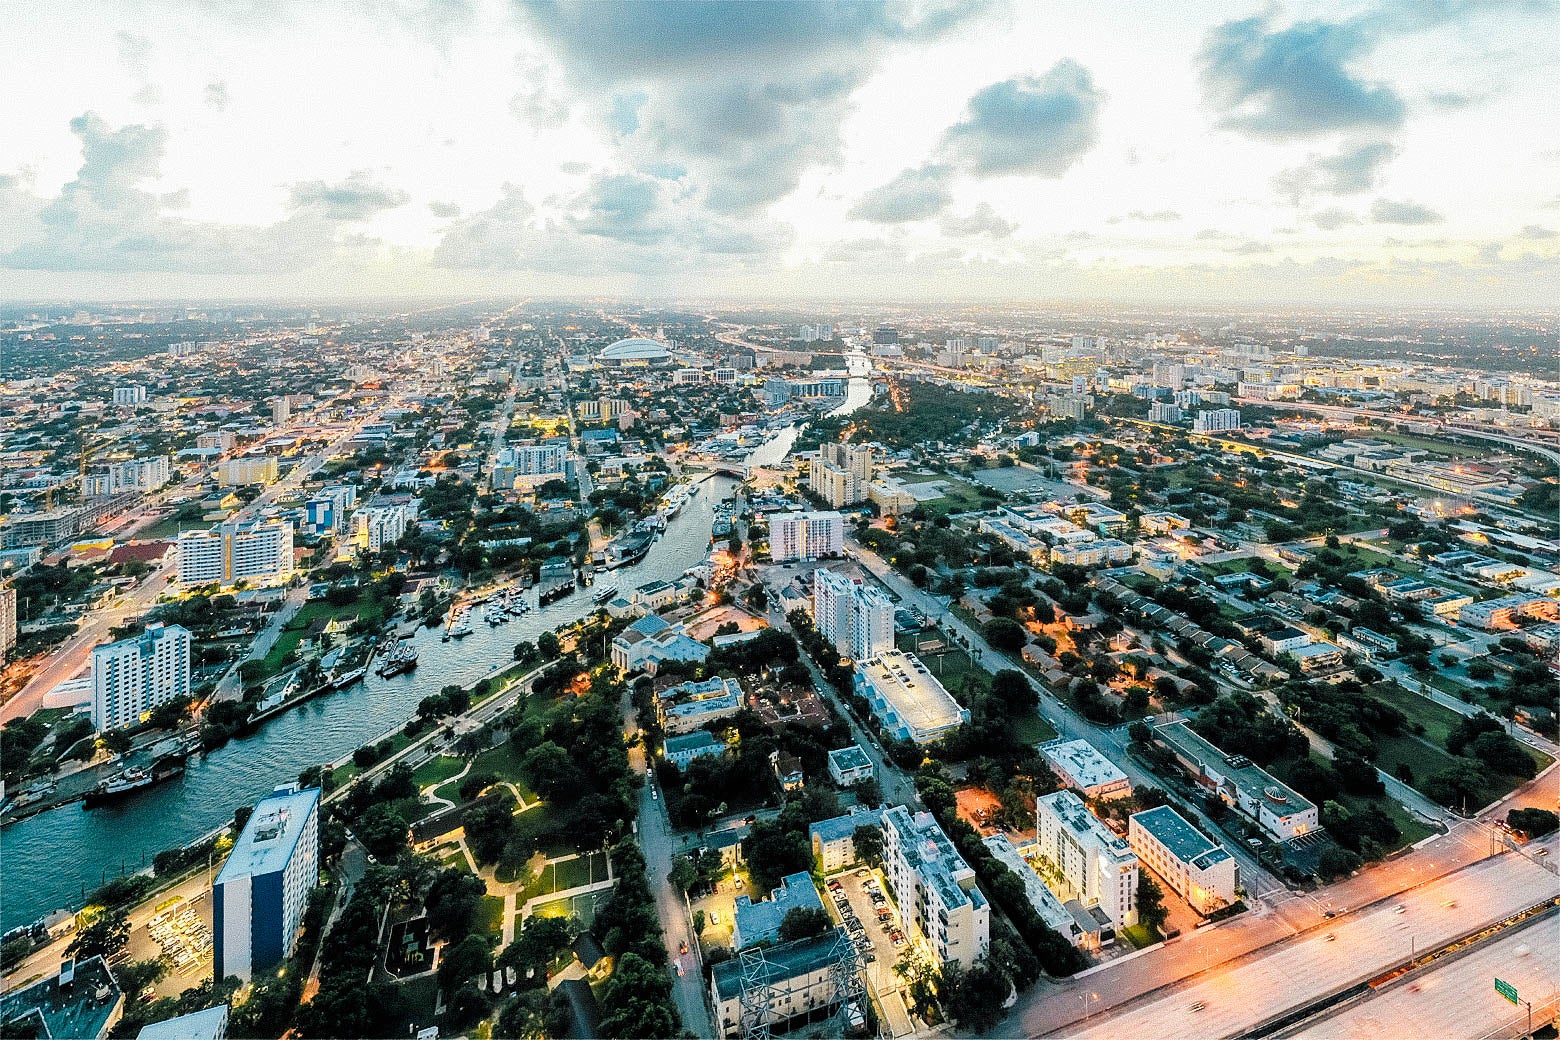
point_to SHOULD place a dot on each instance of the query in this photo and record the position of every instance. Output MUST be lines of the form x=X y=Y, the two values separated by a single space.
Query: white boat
x=461 y=626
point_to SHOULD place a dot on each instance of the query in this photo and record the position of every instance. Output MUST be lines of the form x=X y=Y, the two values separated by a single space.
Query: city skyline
x=1222 y=154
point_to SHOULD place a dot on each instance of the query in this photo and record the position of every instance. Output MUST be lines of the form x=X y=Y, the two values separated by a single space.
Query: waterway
x=53 y=859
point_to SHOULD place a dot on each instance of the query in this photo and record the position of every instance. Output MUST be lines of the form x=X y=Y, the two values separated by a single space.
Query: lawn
x=504 y=763
x=1438 y=720
x=491 y=915
x=1410 y=828
x=959 y=495
x=1031 y=729
x=1140 y=937
x=437 y=770
x=293 y=634
x=953 y=668
x=559 y=877
x=582 y=907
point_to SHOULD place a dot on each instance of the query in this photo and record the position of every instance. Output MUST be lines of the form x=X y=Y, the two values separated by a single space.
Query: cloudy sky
x=1375 y=153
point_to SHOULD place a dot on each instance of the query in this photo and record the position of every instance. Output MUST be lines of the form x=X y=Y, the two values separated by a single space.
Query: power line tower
x=847 y=975
x=757 y=995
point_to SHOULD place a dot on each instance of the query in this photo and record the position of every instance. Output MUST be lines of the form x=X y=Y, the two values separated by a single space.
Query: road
x=1236 y=996
x=659 y=843
x=1459 y=998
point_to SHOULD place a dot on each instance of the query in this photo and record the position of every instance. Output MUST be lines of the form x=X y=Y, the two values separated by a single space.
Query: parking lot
x=870 y=918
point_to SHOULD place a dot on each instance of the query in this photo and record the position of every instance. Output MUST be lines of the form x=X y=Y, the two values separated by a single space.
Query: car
x=835 y=886
x=1329 y=914
x=714 y=917
x=1329 y=937
x=679 y=969
x=682 y=947
x=1196 y=1006
x=899 y=940
x=1400 y=909
x=1541 y=852
x=653 y=796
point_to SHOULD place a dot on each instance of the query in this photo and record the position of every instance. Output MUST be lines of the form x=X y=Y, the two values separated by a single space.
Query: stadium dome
x=638 y=349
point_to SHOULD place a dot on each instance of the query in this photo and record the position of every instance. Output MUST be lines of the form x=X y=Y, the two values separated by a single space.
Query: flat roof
x=851 y=757
x=760 y=921
x=700 y=738
x=837 y=827
x=200 y=1025
x=933 y=856
x=913 y=691
x=74 y=1009
x=785 y=961
x=1086 y=827
x=270 y=835
x=1080 y=760
x=1185 y=842
x=1250 y=778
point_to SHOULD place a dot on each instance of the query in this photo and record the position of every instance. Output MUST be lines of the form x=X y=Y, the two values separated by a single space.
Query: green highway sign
x=1507 y=990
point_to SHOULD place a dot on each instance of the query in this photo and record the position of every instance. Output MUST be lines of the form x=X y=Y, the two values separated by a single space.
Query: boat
x=460 y=627
x=603 y=595
x=553 y=593
x=135 y=778
x=402 y=659
x=495 y=614
x=341 y=682
x=631 y=548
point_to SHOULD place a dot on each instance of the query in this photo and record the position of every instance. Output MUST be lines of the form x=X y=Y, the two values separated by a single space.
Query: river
x=53 y=859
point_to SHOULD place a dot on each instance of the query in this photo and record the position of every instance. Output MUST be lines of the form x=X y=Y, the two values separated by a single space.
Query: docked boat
x=461 y=626
x=402 y=659
x=603 y=595
x=631 y=548
x=553 y=593
x=134 y=779
x=495 y=614
x=341 y=682
x=721 y=527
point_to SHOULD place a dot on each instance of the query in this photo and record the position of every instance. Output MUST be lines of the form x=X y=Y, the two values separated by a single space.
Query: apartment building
x=857 y=618
x=1091 y=864
x=1078 y=765
x=256 y=552
x=132 y=676
x=934 y=888
x=806 y=536
x=841 y=473
x=260 y=469
x=258 y=900
x=907 y=698
x=1197 y=868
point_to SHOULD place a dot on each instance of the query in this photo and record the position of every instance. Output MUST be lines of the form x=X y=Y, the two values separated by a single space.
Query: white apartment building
x=146 y=474
x=934 y=888
x=806 y=536
x=383 y=521
x=7 y=619
x=1094 y=866
x=260 y=469
x=135 y=675
x=258 y=552
x=258 y=899
x=221 y=440
x=857 y=619
x=1078 y=765
x=1201 y=871
x=1164 y=411
x=907 y=698
x=130 y=395
x=281 y=411
x=530 y=466
x=840 y=474
x=1212 y=420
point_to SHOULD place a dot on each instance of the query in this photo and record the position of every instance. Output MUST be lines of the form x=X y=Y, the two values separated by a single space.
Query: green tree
x=452 y=902
x=467 y=959
x=1005 y=634
x=802 y=922
x=637 y=1001
x=550 y=770
x=1150 y=903
x=104 y=937
x=549 y=647
x=382 y=831
x=974 y=998
x=868 y=845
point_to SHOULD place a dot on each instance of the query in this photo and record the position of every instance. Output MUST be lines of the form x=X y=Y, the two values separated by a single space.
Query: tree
x=453 y=901
x=549 y=647
x=117 y=741
x=802 y=922
x=1005 y=634
x=525 y=651
x=550 y=770
x=868 y=843
x=539 y=943
x=975 y=999
x=1014 y=690
x=1533 y=822
x=467 y=959
x=382 y=832
x=683 y=874
x=1151 y=902
x=104 y=937
x=637 y=1000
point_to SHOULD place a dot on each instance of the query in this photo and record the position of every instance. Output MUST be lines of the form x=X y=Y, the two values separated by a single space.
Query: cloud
x=497 y=237
x=1352 y=170
x=1385 y=211
x=982 y=220
x=627 y=207
x=216 y=95
x=1536 y=232
x=1295 y=82
x=1250 y=248
x=1333 y=219
x=916 y=194
x=536 y=104
x=444 y=210
x=1212 y=235
x=1035 y=125
x=1138 y=216
x=359 y=197
x=135 y=52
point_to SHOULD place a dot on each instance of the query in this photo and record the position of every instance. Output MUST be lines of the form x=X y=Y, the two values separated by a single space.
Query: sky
x=1370 y=154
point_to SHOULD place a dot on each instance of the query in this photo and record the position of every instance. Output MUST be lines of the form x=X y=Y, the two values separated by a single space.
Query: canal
x=53 y=859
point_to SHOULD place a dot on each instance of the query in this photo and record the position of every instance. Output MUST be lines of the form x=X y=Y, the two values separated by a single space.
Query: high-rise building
x=531 y=465
x=258 y=900
x=260 y=469
x=1164 y=411
x=7 y=619
x=1169 y=375
x=1216 y=419
x=146 y=474
x=840 y=474
x=934 y=887
x=806 y=536
x=281 y=411
x=884 y=336
x=135 y=675
x=261 y=551
x=129 y=395
x=1089 y=862
x=857 y=619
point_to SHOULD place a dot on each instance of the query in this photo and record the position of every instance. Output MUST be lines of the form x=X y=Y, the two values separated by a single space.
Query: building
x=135 y=675
x=1051 y=910
x=1204 y=873
x=129 y=395
x=682 y=748
x=1316 y=657
x=858 y=619
x=530 y=466
x=634 y=352
x=689 y=706
x=1280 y=811
x=789 y=985
x=327 y=512
x=840 y=474
x=891 y=496
x=210 y=1024
x=806 y=536
x=1080 y=766
x=258 y=899
x=1164 y=412
x=281 y=411
x=256 y=552
x=1213 y=420
x=7 y=619
x=849 y=765
x=652 y=640
x=259 y=469
x=143 y=475
x=383 y=521
x=760 y=922
x=216 y=440
x=907 y=698
x=1089 y=862
x=1284 y=639
x=834 y=840
x=1502 y=612
x=82 y=1001
x=934 y=888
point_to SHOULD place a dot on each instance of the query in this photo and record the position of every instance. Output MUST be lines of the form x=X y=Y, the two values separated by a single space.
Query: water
x=53 y=859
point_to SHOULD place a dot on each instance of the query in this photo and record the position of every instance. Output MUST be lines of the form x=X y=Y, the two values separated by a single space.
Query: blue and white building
x=258 y=899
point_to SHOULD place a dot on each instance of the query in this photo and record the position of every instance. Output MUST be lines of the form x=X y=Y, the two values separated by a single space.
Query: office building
x=281 y=411
x=129 y=395
x=1212 y=420
x=891 y=496
x=1089 y=862
x=806 y=536
x=135 y=675
x=1280 y=811
x=259 y=469
x=907 y=698
x=1201 y=871
x=256 y=552
x=210 y=1024
x=691 y=705
x=216 y=440
x=258 y=899
x=652 y=641
x=7 y=619
x=760 y=922
x=328 y=511
x=1078 y=765
x=857 y=619
x=934 y=888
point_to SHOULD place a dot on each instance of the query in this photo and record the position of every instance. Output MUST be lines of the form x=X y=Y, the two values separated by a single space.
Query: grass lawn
x=490 y=915
x=582 y=907
x=504 y=762
x=1244 y=565
x=953 y=668
x=437 y=770
x=1410 y=827
x=959 y=495
x=1032 y=729
x=409 y=1004
x=1438 y=720
x=559 y=877
x=1419 y=755
x=1139 y=936
x=293 y=634
x=1446 y=684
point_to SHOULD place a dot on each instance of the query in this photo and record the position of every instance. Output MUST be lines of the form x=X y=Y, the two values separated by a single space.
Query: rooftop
x=759 y=922
x=79 y=1001
x=837 y=827
x=933 y=857
x=1082 y=762
x=847 y=758
x=200 y=1025
x=914 y=692
x=785 y=961
x=1185 y=842
x=270 y=834
x=695 y=741
x=1257 y=783
x=1086 y=827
